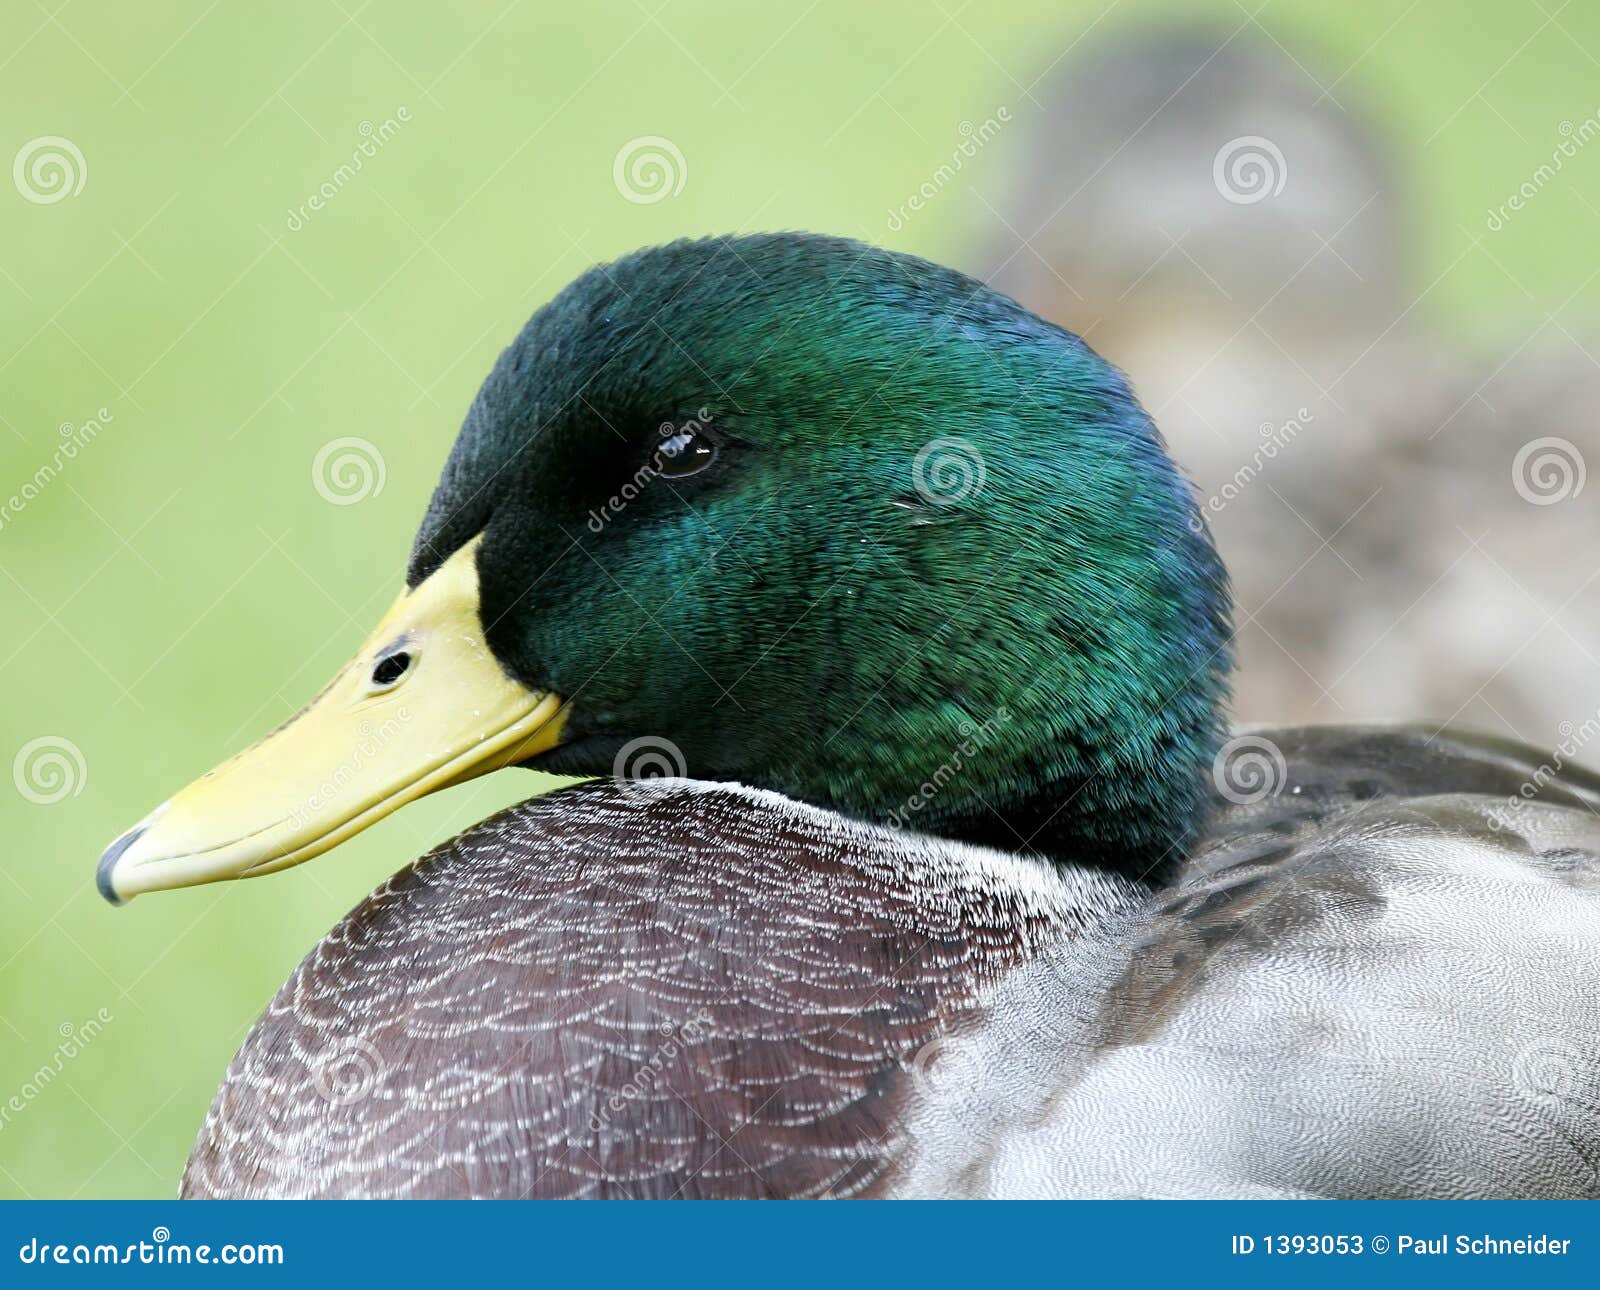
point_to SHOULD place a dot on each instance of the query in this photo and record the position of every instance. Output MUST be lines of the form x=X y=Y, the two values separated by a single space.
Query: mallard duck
x=955 y=882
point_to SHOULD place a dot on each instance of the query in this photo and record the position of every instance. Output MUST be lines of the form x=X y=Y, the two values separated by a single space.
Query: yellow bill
x=422 y=705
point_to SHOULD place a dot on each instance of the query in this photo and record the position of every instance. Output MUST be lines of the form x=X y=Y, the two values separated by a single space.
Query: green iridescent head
x=918 y=537
x=817 y=517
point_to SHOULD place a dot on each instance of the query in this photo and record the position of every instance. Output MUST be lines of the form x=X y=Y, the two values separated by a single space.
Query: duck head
x=786 y=510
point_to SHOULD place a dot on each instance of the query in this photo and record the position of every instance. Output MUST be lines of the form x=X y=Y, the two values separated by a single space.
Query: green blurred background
x=181 y=586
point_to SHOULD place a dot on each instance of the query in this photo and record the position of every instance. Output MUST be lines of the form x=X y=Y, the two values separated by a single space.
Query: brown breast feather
x=646 y=992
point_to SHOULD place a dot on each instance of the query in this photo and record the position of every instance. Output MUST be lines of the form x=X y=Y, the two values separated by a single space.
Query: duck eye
x=684 y=453
x=390 y=668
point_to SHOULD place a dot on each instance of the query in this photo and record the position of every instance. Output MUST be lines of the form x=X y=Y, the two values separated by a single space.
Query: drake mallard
x=970 y=892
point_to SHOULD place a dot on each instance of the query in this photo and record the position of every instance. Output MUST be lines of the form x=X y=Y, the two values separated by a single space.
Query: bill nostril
x=390 y=669
x=108 y=862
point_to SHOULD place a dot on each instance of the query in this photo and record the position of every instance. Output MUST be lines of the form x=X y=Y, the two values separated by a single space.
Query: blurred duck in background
x=1219 y=225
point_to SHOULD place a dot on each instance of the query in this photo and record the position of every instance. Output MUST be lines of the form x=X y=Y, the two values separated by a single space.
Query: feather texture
x=1374 y=980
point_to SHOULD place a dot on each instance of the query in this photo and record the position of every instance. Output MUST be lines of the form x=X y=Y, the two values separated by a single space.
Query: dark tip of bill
x=108 y=862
